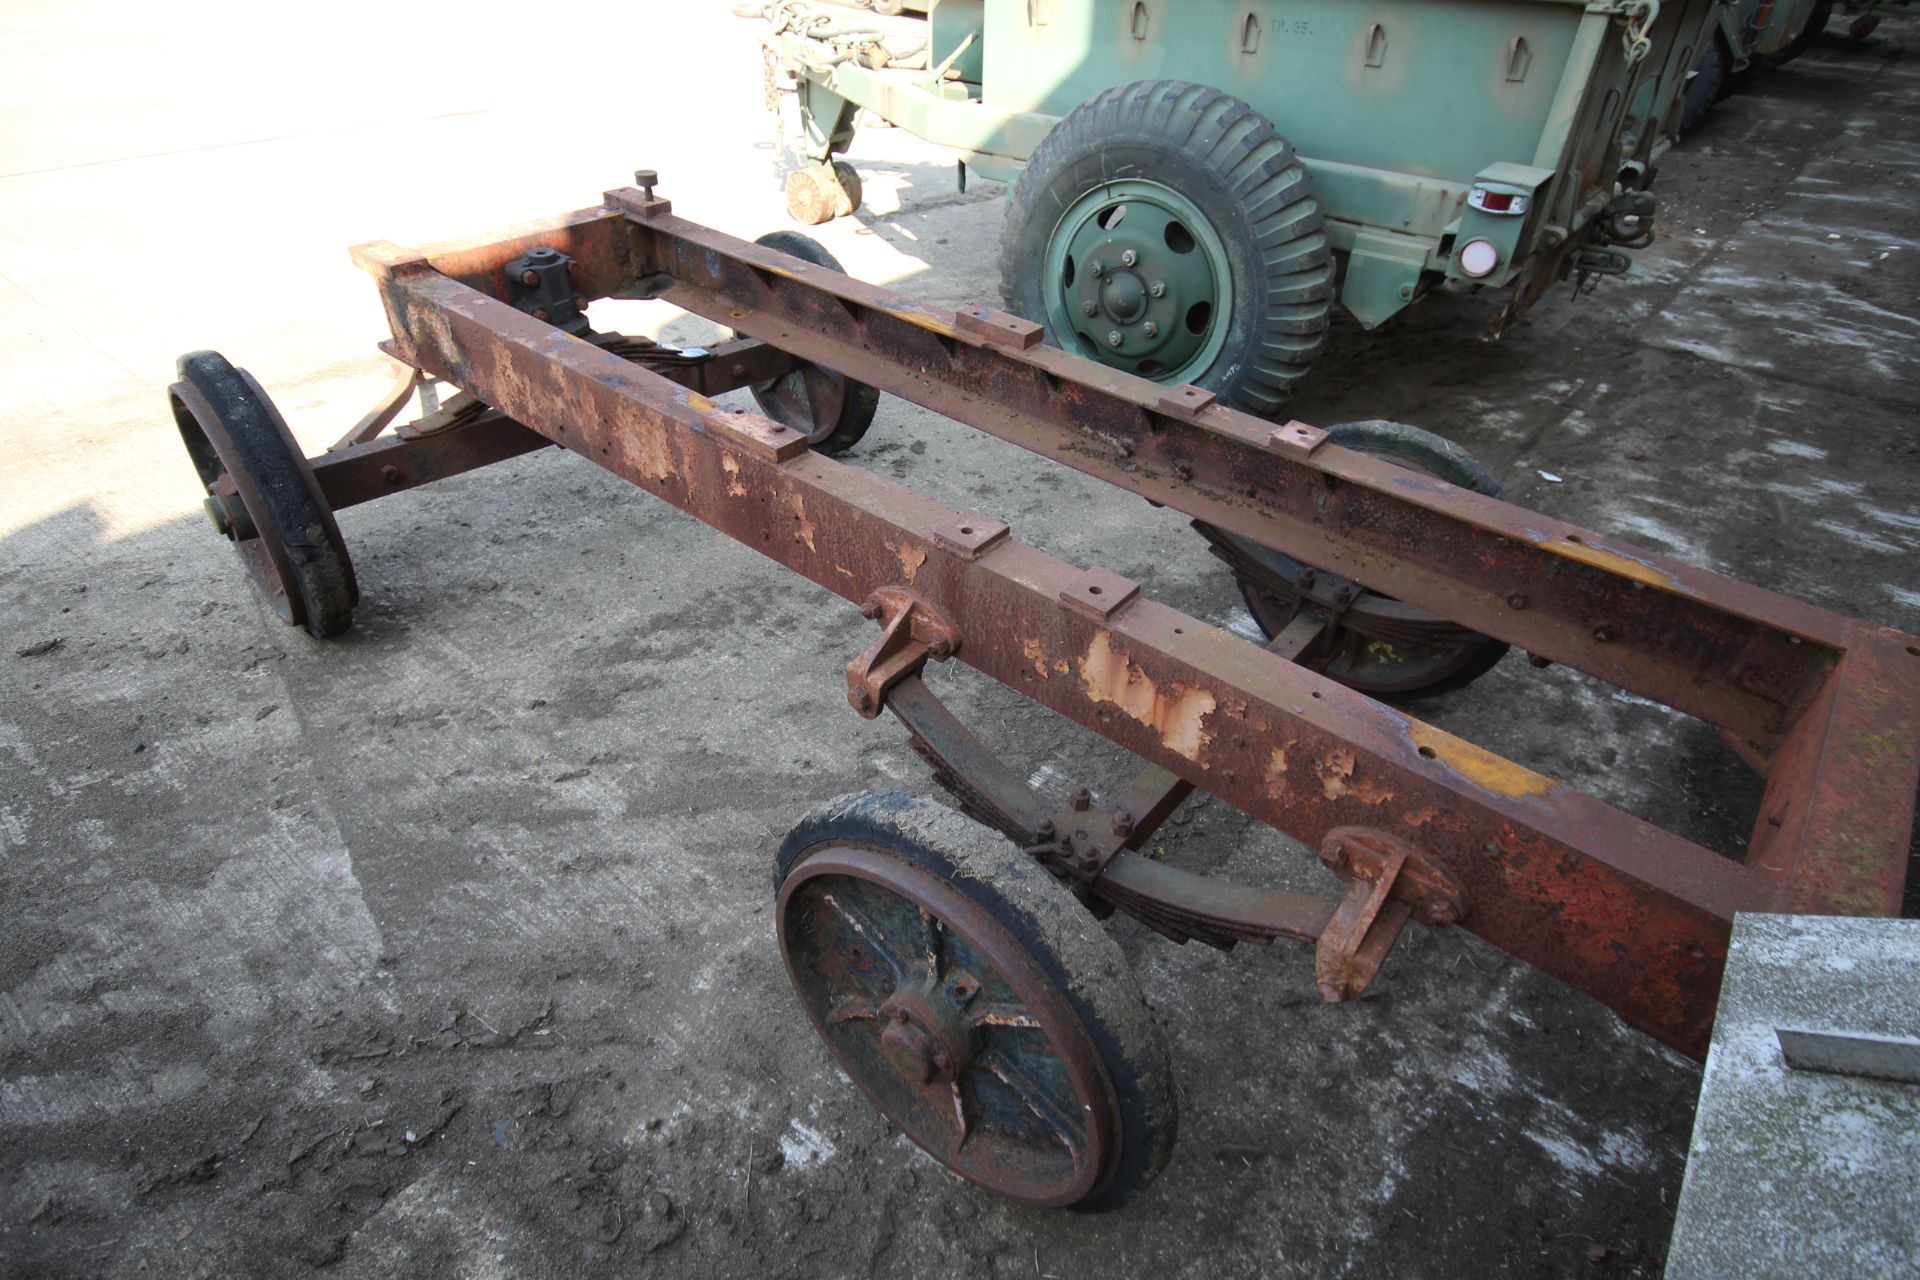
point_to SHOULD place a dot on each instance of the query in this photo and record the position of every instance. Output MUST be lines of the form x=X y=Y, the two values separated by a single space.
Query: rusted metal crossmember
x=1637 y=917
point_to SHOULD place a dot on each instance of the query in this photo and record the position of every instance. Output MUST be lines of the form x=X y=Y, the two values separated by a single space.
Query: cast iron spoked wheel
x=831 y=410
x=262 y=494
x=1166 y=229
x=1382 y=646
x=975 y=1002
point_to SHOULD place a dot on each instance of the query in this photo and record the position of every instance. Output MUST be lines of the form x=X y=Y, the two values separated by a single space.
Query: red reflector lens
x=1496 y=201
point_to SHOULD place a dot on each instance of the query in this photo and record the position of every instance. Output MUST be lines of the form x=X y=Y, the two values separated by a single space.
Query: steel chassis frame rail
x=1828 y=708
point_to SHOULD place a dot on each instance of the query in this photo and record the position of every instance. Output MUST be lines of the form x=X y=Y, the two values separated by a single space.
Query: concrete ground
x=446 y=949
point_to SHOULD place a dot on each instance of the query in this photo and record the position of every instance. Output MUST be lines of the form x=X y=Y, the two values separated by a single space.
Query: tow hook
x=1628 y=220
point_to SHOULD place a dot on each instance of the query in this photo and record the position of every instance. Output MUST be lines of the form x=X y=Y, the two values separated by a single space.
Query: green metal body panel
x=953 y=22
x=1397 y=108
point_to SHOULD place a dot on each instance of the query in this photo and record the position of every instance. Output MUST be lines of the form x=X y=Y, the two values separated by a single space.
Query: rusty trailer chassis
x=1420 y=824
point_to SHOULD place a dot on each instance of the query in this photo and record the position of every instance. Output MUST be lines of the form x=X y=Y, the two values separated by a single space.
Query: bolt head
x=1334 y=855
x=540 y=313
x=1151 y=329
x=1443 y=915
x=645 y=177
x=217 y=514
x=1128 y=258
x=871 y=609
x=1087 y=308
x=1096 y=268
x=1516 y=601
x=941 y=649
x=1157 y=289
x=1123 y=823
x=1080 y=799
x=1113 y=338
x=529 y=276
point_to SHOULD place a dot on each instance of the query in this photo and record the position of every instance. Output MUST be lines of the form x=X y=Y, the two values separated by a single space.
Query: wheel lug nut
x=1087 y=308
x=1158 y=288
x=1128 y=258
x=1096 y=268
x=1113 y=338
x=1151 y=329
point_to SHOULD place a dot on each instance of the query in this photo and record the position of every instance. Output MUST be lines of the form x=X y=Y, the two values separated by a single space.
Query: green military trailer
x=1197 y=184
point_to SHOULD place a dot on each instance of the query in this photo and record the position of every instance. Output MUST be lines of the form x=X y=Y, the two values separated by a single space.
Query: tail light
x=1479 y=258
x=1488 y=200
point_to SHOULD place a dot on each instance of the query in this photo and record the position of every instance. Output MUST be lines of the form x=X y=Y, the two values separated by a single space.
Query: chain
x=1641 y=15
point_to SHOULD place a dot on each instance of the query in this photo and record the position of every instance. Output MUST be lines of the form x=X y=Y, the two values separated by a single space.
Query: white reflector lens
x=1479 y=258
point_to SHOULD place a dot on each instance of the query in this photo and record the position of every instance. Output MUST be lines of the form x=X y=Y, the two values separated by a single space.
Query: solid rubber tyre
x=1081 y=963
x=296 y=555
x=830 y=409
x=1420 y=450
x=1255 y=196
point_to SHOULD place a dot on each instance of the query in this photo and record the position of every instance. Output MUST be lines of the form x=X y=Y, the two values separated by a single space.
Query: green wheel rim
x=1137 y=278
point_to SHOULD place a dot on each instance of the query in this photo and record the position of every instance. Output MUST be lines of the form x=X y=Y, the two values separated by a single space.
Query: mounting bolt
x=1113 y=338
x=540 y=313
x=1122 y=823
x=1088 y=861
x=644 y=179
x=1087 y=308
x=1516 y=601
x=392 y=474
x=1151 y=329
x=1184 y=471
x=1080 y=799
x=940 y=649
x=1307 y=579
x=1096 y=268
x=529 y=276
x=1604 y=633
x=871 y=609
x=1157 y=289
x=1045 y=830
x=1443 y=914
x=1128 y=258
x=1334 y=855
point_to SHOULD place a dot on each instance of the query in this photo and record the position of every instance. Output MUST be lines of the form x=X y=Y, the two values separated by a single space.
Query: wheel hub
x=926 y=1038
x=1141 y=281
x=1125 y=296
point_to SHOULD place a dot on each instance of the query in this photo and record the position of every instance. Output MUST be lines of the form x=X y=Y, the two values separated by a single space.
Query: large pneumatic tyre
x=262 y=495
x=1166 y=229
x=1705 y=86
x=975 y=1001
x=1817 y=20
x=830 y=409
x=1382 y=646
